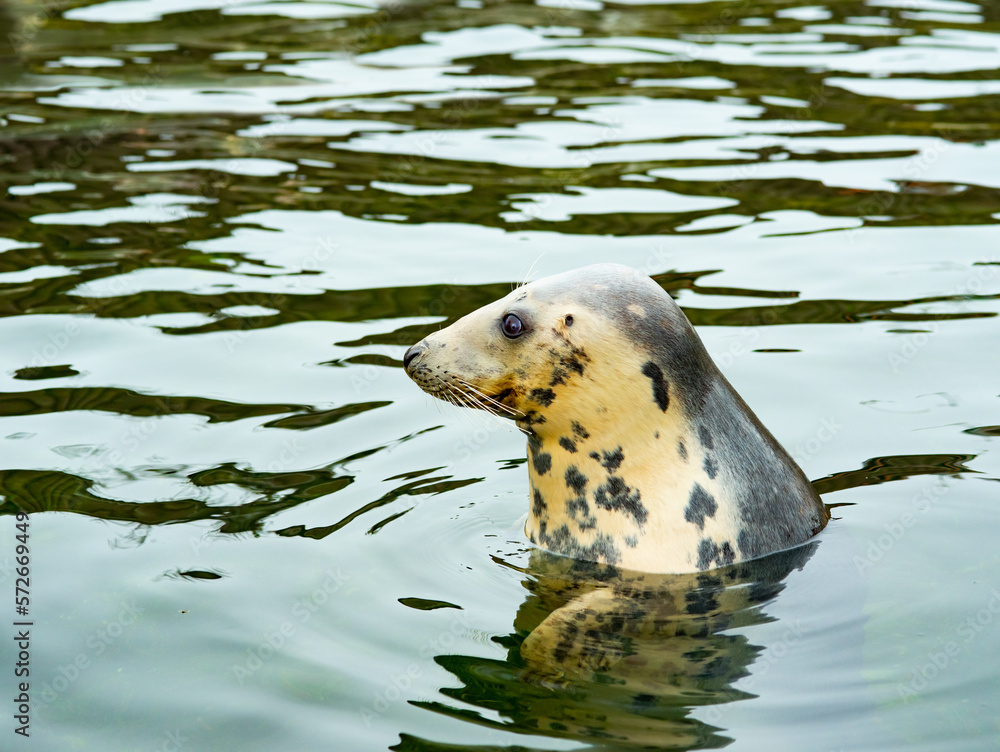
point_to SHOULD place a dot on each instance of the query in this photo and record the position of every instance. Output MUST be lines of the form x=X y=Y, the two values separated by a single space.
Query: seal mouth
x=501 y=396
x=493 y=403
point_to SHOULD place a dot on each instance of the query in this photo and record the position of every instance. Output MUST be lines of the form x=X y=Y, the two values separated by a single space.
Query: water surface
x=223 y=221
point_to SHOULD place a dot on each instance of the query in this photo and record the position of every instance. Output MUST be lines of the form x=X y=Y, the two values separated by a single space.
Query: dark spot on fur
x=567 y=443
x=579 y=430
x=705 y=437
x=631 y=541
x=564 y=364
x=610 y=460
x=660 y=389
x=574 y=361
x=532 y=418
x=664 y=332
x=701 y=504
x=617 y=496
x=562 y=541
x=707 y=551
x=543 y=397
x=711 y=468
x=578 y=508
x=575 y=479
x=539 y=506
x=726 y=555
x=682 y=450
x=656 y=434
x=542 y=462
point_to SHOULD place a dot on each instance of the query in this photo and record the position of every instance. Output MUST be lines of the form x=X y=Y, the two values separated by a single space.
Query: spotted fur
x=641 y=453
x=660 y=389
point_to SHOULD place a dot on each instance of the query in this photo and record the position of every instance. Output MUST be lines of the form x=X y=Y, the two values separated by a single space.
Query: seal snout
x=412 y=354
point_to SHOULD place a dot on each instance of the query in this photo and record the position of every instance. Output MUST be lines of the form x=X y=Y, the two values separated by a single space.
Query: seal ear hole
x=569 y=319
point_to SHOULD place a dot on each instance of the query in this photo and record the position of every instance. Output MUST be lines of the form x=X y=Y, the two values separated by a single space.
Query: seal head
x=641 y=454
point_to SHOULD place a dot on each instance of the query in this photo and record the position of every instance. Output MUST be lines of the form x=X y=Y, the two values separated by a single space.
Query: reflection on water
x=619 y=657
x=223 y=221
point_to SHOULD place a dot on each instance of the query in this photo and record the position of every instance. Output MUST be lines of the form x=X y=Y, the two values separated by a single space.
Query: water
x=222 y=224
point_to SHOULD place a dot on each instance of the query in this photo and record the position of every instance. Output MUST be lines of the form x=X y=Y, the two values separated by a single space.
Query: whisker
x=488 y=405
x=490 y=401
x=527 y=277
x=463 y=400
x=457 y=398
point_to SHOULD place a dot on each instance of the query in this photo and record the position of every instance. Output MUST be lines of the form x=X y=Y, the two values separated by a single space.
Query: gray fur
x=777 y=504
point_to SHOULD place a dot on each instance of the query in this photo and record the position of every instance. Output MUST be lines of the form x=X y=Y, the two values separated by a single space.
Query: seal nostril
x=412 y=353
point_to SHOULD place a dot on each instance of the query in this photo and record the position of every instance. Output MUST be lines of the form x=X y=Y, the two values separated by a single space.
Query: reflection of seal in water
x=636 y=653
x=641 y=453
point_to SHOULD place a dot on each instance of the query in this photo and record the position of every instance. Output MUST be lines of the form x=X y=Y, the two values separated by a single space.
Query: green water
x=222 y=222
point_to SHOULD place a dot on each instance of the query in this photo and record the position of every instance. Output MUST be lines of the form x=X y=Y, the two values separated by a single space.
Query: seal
x=641 y=454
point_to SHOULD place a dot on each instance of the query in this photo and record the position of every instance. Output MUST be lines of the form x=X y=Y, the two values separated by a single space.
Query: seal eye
x=512 y=326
